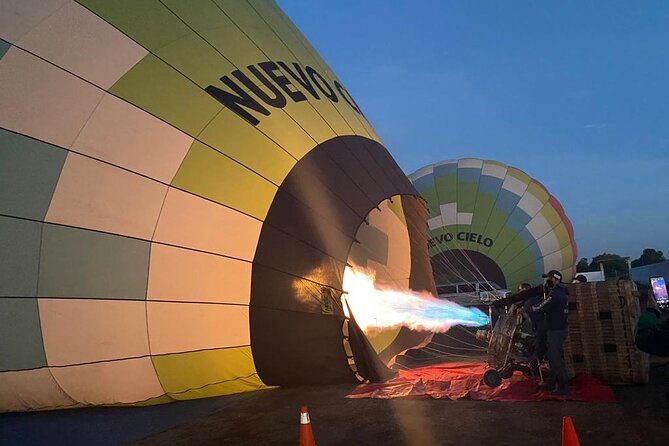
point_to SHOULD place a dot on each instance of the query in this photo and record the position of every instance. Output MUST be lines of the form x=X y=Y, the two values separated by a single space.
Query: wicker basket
x=602 y=320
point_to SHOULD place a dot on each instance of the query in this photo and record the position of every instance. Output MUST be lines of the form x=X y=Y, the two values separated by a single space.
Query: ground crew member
x=555 y=308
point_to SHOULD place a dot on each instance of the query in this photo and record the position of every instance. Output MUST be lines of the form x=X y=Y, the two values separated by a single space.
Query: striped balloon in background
x=492 y=222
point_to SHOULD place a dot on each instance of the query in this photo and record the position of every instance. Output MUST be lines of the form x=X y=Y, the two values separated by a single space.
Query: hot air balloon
x=492 y=225
x=181 y=187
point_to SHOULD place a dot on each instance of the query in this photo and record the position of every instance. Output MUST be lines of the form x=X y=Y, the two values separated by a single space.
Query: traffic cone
x=306 y=434
x=569 y=437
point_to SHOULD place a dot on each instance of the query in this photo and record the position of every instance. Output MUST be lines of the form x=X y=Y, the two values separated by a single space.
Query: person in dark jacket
x=652 y=335
x=555 y=309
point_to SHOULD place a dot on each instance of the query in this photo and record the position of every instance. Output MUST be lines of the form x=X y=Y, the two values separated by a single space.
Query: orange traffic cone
x=306 y=434
x=569 y=437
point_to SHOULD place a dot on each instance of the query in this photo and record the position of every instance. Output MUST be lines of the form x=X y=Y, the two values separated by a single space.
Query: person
x=524 y=287
x=652 y=336
x=555 y=309
x=580 y=279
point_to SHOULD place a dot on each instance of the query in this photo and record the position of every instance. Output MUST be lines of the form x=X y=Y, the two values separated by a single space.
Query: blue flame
x=453 y=314
x=384 y=308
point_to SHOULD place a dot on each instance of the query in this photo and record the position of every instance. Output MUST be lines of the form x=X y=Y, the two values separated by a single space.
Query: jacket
x=555 y=306
x=652 y=336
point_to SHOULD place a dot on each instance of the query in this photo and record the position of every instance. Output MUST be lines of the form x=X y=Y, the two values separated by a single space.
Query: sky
x=574 y=93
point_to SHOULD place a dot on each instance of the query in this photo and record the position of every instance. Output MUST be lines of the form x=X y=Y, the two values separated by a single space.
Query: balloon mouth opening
x=380 y=255
x=377 y=297
x=380 y=252
x=455 y=265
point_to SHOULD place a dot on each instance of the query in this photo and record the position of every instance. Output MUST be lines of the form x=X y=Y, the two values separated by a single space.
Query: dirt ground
x=641 y=416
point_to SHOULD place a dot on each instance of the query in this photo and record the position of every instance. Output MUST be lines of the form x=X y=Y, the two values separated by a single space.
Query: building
x=642 y=274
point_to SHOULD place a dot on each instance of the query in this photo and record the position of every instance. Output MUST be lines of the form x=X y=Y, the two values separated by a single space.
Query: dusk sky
x=575 y=94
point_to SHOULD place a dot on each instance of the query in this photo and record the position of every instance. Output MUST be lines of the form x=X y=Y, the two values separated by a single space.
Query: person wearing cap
x=524 y=287
x=580 y=279
x=554 y=307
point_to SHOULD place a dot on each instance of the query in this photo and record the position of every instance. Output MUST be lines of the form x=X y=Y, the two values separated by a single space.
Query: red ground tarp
x=461 y=379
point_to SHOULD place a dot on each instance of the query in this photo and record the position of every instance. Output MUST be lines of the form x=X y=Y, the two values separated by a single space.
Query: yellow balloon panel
x=208 y=373
x=212 y=175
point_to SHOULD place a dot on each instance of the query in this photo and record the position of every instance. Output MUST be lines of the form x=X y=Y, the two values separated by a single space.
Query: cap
x=554 y=274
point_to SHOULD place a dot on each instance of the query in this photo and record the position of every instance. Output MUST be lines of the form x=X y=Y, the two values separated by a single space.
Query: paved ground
x=271 y=417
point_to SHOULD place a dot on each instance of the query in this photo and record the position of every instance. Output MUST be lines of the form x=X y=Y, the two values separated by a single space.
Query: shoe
x=546 y=386
x=534 y=368
x=561 y=391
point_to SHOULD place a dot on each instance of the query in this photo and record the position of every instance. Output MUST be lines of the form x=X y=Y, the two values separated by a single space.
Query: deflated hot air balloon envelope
x=179 y=182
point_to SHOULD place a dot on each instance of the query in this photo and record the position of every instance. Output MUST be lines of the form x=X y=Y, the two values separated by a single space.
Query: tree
x=648 y=257
x=582 y=266
x=614 y=265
